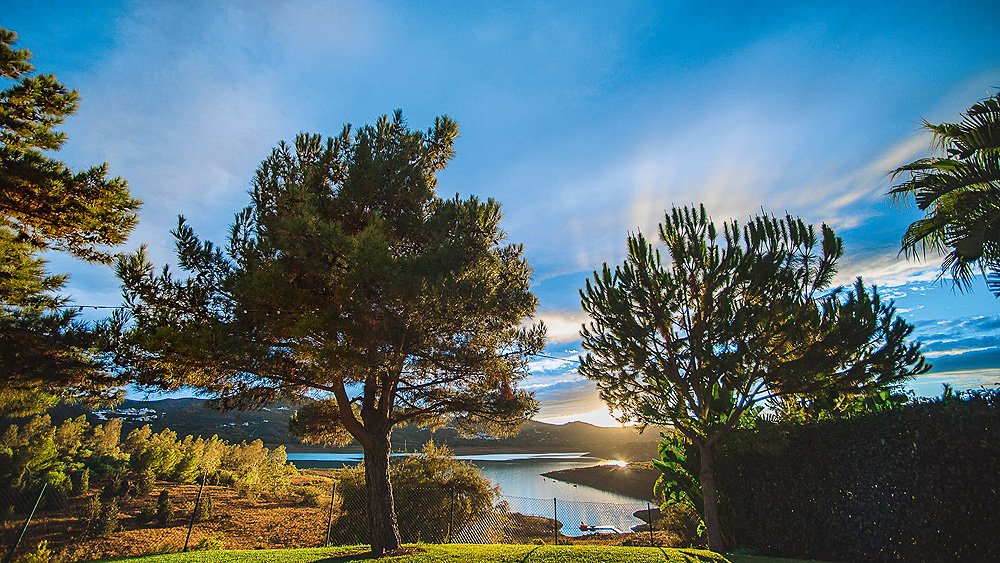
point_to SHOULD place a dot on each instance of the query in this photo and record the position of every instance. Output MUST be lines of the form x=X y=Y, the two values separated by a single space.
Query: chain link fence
x=442 y=515
x=176 y=517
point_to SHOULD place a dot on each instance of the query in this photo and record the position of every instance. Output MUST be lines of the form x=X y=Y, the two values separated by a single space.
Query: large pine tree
x=349 y=286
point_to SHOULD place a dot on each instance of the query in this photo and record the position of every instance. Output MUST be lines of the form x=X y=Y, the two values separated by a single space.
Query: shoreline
x=635 y=480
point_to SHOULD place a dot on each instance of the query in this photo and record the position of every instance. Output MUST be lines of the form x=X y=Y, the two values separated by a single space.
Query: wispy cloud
x=567 y=398
x=562 y=326
x=931 y=384
x=562 y=365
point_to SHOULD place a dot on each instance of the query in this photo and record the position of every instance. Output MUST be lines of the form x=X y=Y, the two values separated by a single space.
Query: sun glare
x=616 y=462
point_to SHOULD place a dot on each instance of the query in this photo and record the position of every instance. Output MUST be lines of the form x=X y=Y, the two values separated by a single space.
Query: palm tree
x=960 y=193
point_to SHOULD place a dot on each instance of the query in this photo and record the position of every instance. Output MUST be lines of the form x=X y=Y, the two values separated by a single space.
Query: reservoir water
x=526 y=490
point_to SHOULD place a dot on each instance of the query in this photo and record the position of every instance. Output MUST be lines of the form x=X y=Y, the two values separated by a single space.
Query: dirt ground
x=236 y=523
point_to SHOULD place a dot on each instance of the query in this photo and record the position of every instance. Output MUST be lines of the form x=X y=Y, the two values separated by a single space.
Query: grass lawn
x=464 y=552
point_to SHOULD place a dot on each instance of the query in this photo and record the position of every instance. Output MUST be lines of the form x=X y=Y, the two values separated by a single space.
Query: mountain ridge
x=270 y=424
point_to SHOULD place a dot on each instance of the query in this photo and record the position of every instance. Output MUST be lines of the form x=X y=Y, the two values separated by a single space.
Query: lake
x=526 y=490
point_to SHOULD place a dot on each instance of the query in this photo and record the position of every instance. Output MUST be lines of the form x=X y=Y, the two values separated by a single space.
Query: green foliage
x=432 y=491
x=91 y=512
x=209 y=543
x=345 y=242
x=910 y=483
x=729 y=323
x=684 y=522
x=204 y=511
x=142 y=484
x=46 y=352
x=164 y=509
x=66 y=456
x=960 y=194
x=81 y=482
x=678 y=481
x=309 y=495
x=107 y=520
x=41 y=199
x=733 y=320
x=41 y=554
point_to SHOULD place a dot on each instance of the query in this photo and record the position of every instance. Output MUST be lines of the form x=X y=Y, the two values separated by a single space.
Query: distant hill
x=270 y=425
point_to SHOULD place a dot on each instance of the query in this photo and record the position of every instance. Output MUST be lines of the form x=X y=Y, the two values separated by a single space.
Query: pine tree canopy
x=734 y=319
x=45 y=353
x=41 y=199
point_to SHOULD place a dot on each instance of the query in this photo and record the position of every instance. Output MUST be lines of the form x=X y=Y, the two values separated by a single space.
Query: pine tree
x=730 y=322
x=347 y=285
x=45 y=352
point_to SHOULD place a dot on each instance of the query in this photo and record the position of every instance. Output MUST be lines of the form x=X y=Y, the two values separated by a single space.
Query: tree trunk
x=381 y=515
x=710 y=498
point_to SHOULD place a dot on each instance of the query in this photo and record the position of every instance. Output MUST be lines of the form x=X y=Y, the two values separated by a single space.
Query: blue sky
x=585 y=120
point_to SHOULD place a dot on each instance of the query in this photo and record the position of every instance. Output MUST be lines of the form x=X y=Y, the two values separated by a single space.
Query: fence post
x=194 y=512
x=451 y=513
x=10 y=556
x=555 y=521
x=329 y=519
x=649 y=518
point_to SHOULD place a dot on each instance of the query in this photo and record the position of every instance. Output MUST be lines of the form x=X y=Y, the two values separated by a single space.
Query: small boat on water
x=599 y=529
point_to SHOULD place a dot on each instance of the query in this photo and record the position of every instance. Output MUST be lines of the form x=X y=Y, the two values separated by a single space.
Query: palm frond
x=960 y=194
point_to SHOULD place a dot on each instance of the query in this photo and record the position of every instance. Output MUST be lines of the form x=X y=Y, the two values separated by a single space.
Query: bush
x=91 y=512
x=114 y=488
x=164 y=509
x=164 y=547
x=143 y=484
x=912 y=483
x=81 y=483
x=41 y=554
x=107 y=522
x=683 y=522
x=203 y=510
x=209 y=543
x=434 y=493
x=309 y=495
x=58 y=490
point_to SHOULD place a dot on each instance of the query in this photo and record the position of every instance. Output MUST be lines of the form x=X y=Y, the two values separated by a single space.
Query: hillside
x=270 y=425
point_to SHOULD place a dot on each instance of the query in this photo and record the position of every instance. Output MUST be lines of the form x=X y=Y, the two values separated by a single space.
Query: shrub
x=434 y=493
x=81 y=482
x=143 y=484
x=92 y=511
x=114 y=488
x=203 y=510
x=41 y=554
x=58 y=491
x=164 y=509
x=107 y=522
x=683 y=522
x=309 y=495
x=209 y=543
x=164 y=547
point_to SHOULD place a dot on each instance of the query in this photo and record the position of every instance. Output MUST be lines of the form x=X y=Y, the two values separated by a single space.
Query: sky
x=586 y=120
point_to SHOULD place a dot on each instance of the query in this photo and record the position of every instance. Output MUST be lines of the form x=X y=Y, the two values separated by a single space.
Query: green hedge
x=916 y=483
